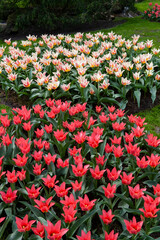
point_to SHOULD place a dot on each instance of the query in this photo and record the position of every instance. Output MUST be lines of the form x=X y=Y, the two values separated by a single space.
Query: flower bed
x=69 y=172
x=153 y=12
x=86 y=67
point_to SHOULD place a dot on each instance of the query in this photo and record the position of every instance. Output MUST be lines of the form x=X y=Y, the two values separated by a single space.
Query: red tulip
x=60 y=135
x=109 y=191
x=9 y=196
x=84 y=236
x=106 y=216
x=61 y=191
x=111 y=236
x=39 y=230
x=44 y=205
x=33 y=192
x=86 y=204
x=136 y=192
x=96 y=173
x=133 y=226
x=23 y=225
x=54 y=232
x=69 y=214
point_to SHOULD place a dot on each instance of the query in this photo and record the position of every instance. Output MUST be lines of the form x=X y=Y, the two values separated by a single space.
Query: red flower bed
x=67 y=172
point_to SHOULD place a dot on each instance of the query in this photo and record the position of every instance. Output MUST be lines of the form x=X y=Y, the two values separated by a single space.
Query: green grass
x=8 y=109
x=144 y=28
x=152 y=119
x=142 y=6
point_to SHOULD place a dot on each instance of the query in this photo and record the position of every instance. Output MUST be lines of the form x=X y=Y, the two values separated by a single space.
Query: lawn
x=142 y=6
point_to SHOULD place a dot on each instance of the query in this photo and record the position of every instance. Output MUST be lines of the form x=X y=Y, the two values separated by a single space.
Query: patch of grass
x=152 y=119
x=142 y=6
x=8 y=109
x=144 y=28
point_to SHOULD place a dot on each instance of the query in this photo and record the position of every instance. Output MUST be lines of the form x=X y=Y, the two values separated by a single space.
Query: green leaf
x=125 y=199
x=109 y=100
x=35 y=211
x=4 y=227
x=153 y=91
x=15 y=236
x=154 y=229
x=137 y=95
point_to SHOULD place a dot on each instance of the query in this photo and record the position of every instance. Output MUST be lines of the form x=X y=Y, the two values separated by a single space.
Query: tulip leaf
x=153 y=91
x=35 y=211
x=4 y=227
x=154 y=229
x=137 y=95
x=15 y=236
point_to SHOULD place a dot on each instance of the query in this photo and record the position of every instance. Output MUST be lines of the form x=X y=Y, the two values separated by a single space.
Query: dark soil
x=98 y=25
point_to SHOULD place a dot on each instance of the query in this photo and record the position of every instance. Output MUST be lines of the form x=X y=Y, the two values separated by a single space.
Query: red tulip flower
x=142 y=163
x=126 y=179
x=50 y=181
x=37 y=169
x=54 y=231
x=9 y=196
x=37 y=155
x=27 y=126
x=96 y=173
x=23 y=225
x=152 y=140
x=111 y=235
x=138 y=132
x=106 y=216
x=103 y=118
x=69 y=214
x=37 y=108
x=113 y=175
x=136 y=192
x=86 y=204
x=60 y=135
x=94 y=140
x=118 y=152
x=49 y=158
x=44 y=205
x=133 y=149
x=109 y=191
x=133 y=226
x=33 y=192
x=157 y=190
x=153 y=160
x=48 y=128
x=150 y=210
x=80 y=171
x=20 y=161
x=80 y=137
x=11 y=176
x=61 y=191
x=70 y=201
x=6 y=140
x=84 y=236
x=76 y=186
x=39 y=230
x=39 y=133
x=100 y=160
